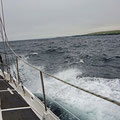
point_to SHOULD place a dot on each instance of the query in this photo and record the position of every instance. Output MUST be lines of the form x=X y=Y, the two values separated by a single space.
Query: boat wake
x=81 y=104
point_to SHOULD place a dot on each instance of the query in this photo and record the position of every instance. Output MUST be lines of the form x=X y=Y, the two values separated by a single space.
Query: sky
x=34 y=19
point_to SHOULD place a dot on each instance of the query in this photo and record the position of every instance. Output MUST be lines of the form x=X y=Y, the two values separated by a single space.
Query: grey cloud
x=51 y=18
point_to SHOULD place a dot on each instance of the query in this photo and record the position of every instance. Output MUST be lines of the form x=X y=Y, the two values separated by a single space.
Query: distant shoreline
x=113 y=32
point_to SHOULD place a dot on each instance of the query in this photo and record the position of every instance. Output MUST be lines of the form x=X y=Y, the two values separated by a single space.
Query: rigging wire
x=65 y=82
x=2 y=32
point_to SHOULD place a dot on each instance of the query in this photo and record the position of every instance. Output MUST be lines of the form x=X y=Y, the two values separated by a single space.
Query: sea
x=90 y=62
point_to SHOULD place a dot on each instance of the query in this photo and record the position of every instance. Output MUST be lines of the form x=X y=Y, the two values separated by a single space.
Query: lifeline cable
x=70 y=84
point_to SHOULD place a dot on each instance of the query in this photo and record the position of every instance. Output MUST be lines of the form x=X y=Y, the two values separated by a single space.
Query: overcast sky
x=28 y=19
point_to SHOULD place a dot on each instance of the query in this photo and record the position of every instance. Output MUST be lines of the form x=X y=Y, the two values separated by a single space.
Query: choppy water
x=91 y=62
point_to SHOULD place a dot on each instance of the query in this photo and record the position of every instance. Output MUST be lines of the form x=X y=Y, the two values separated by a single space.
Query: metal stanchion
x=9 y=73
x=43 y=89
x=18 y=77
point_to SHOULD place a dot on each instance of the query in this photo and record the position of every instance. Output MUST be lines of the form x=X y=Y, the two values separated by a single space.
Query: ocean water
x=91 y=62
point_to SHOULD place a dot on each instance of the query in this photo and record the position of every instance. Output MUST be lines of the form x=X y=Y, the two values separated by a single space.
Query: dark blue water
x=100 y=54
x=95 y=56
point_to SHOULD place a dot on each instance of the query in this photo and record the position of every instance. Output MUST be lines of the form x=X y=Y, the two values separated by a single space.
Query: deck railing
x=16 y=74
x=17 y=58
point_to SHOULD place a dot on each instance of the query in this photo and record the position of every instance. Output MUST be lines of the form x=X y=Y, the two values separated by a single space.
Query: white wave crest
x=85 y=106
x=34 y=53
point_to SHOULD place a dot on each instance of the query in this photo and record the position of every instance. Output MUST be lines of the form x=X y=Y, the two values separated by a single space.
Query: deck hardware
x=43 y=89
x=18 y=77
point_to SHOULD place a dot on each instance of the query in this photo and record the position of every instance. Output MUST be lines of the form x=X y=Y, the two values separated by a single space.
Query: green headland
x=112 y=32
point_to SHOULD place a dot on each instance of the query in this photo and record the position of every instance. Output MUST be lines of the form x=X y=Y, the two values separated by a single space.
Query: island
x=112 y=32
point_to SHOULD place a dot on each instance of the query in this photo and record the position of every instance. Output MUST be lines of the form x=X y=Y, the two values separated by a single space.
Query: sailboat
x=16 y=101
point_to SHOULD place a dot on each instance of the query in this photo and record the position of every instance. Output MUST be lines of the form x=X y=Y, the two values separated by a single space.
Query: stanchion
x=43 y=89
x=18 y=77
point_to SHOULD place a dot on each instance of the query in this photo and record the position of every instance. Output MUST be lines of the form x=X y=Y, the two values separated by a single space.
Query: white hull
x=36 y=104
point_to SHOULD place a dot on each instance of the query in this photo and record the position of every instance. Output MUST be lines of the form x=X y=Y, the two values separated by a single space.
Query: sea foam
x=83 y=105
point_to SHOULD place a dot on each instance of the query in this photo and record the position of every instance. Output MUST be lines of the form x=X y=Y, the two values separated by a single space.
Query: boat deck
x=12 y=105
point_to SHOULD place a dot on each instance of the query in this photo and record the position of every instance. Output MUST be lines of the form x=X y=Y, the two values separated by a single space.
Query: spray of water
x=83 y=105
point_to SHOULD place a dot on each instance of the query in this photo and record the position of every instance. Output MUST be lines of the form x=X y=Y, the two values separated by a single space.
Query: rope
x=70 y=84
x=2 y=32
